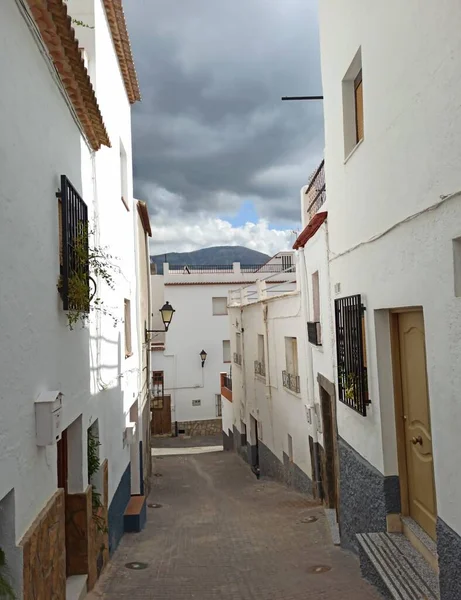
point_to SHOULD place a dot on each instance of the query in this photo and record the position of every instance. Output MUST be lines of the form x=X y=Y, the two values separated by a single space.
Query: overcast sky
x=217 y=156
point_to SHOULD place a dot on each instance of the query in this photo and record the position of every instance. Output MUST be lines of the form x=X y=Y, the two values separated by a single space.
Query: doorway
x=161 y=415
x=254 y=442
x=63 y=482
x=413 y=422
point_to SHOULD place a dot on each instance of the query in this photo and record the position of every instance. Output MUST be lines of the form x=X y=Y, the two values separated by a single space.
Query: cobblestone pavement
x=220 y=534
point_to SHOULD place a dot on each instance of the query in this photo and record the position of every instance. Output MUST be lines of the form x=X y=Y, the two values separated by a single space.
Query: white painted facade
x=394 y=209
x=40 y=141
x=195 y=328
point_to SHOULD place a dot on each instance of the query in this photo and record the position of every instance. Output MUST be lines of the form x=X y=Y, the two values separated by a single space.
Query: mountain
x=217 y=255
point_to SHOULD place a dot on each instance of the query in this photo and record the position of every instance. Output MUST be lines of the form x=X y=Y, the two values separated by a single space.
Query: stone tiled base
x=287 y=471
x=449 y=551
x=366 y=496
x=228 y=440
x=201 y=428
x=117 y=509
x=44 y=553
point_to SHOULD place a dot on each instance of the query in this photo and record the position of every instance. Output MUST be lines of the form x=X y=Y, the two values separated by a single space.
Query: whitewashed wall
x=39 y=142
x=193 y=328
x=408 y=160
x=279 y=411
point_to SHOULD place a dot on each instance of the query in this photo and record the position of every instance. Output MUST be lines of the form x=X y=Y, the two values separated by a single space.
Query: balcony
x=227 y=382
x=238 y=359
x=314 y=333
x=291 y=382
x=226 y=390
x=316 y=191
x=260 y=368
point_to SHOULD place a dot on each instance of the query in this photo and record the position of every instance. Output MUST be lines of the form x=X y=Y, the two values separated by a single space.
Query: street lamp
x=203 y=356
x=167 y=312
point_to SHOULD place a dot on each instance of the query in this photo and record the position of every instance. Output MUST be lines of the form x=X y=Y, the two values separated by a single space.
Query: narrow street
x=222 y=534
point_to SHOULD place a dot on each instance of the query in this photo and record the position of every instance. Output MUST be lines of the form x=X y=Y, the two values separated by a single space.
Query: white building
x=188 y=391
x=265 y=413
x=392 y=118
x=66 y=172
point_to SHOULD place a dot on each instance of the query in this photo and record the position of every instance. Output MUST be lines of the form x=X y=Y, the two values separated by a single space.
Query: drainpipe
x=310 y=365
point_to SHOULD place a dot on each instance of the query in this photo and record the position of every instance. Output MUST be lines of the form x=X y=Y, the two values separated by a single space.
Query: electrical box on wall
x=48 y=414
x=308 y=413
x=130 y=433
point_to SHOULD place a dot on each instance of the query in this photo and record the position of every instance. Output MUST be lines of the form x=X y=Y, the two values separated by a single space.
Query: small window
x=128 y=349
x=287 y=262
x=196 y=402
x=353 y=107
x=315 y=297
x=291 y=355
x=261 y=348
x=124 y=176
x=358 y=98
x=226 y=351
x=220 y=306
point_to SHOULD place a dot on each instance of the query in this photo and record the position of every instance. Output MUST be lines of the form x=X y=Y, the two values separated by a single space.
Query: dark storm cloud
x=211 y=129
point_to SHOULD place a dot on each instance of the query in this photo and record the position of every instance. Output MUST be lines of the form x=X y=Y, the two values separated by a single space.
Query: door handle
x=417 y=440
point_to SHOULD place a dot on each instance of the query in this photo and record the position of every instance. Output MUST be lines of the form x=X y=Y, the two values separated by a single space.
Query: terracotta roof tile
x=117 y=24
x=144 y=215
x=310 y=230
x=55 y=27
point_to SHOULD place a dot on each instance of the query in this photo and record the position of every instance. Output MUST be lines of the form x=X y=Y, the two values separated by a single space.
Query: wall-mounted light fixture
x=167 y=312
x=203 y=356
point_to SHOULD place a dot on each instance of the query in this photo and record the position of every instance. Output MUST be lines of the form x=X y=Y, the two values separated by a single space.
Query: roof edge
x=121 y=39
x=58 y=35
x=144 y=216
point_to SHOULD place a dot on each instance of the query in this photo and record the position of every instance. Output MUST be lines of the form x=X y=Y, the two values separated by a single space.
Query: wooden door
x=421 y=499
x=328 y=466
x=161 y=415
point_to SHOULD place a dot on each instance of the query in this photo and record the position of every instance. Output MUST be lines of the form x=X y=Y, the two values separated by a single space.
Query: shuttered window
x=220 y=306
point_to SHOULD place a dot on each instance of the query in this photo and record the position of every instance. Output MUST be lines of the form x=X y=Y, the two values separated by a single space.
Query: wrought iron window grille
x=351 y=353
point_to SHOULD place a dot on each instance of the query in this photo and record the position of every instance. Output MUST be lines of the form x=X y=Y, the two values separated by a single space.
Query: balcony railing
x=201 y=268
x=276 y=267
x=260 y=368
x=291 y=382
x=227 y=380
x=237 y=359
x=316 y=191
x=314 y=333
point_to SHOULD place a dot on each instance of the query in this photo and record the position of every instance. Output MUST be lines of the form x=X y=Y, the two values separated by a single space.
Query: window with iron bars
x=74 y=285
x=351 y=353
x=218 y=405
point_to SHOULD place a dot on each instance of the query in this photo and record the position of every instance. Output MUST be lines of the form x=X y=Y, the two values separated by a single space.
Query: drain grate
x=136 y=566
x=154 y=505
x=318 y=569
x=311 y=519
x=158 y=475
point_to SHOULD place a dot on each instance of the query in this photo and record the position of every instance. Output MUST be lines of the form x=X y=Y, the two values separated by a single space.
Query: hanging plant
x=94 y=465
x=6 y=591
x=90 y=263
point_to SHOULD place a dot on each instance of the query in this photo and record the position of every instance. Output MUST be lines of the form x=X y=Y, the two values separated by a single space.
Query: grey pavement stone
x=222 y=534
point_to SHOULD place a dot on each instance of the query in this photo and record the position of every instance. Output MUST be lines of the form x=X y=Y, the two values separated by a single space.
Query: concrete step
x=76 y=587
x=391 y=563
x=333 y=523
x=423 y=543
